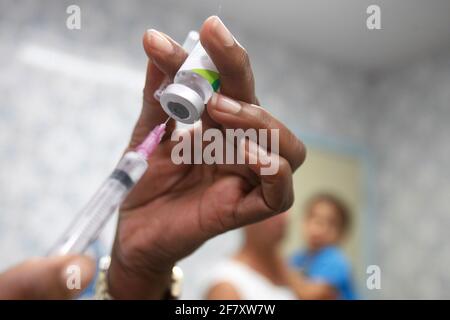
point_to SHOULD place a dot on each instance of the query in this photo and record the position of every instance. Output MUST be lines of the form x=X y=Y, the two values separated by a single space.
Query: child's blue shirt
x=328 y=265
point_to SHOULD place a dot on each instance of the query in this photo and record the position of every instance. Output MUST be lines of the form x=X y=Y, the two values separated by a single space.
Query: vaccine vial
x=184 y=100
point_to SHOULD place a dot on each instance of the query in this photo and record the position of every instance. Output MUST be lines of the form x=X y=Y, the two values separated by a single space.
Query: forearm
x=308 y=290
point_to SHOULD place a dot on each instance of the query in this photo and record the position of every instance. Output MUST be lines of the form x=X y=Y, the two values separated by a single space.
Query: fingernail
x=158 y=42
x=225 y=104
x=222 y=33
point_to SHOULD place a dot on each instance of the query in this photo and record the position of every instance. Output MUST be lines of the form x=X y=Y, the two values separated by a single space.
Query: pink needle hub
x=148 y=146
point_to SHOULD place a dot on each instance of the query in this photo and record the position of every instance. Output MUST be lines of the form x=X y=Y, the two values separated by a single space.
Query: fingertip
x=210 y=106
x=303 y=152
x=88 y=268
x=212 y=101
x=146 y=42
x=230 y=58
x=208 y=24
x=82 y=266
x=206 y=31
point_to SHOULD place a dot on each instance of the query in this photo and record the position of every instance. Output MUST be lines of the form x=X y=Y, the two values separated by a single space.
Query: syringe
x=92 y=218
x=108 y=198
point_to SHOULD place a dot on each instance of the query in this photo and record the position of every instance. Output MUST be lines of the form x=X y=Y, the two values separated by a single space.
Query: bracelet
x=101 y=284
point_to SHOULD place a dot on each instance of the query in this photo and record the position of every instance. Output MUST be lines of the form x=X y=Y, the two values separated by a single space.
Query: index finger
x=231 y=60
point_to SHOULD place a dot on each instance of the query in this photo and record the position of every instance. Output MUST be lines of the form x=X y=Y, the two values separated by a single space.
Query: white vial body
x=199 y=73
x=193 y=86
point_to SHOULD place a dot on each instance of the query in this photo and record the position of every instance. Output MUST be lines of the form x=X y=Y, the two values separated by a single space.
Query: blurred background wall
x=412 y=178
x=69 y=100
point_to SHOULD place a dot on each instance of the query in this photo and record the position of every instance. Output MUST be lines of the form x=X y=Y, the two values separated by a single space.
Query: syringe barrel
x=88 y=223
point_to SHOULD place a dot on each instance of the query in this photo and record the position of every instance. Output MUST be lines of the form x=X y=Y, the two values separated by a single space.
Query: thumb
x=62 y=277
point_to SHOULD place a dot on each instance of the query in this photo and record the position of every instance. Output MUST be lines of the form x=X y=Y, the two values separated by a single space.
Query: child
x=327 y=272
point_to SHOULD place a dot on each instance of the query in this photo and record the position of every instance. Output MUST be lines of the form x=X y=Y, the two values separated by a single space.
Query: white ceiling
x=336 y=29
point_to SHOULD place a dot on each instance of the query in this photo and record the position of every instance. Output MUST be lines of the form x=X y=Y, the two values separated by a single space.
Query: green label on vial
x=211 y=76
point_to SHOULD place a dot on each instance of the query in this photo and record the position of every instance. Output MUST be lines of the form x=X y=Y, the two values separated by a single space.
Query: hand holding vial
x=175 y=208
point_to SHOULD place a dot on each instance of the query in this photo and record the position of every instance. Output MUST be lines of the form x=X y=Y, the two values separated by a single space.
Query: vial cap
x=182 y=103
